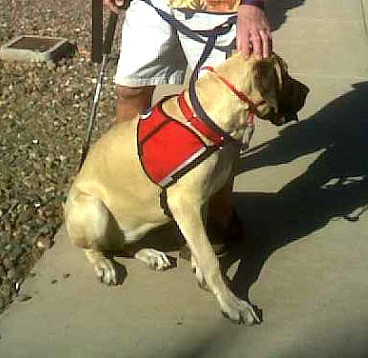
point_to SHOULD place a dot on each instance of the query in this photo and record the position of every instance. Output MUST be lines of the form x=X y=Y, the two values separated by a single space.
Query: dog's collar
x=252 y=107
x=192 y=120
x=204 y=124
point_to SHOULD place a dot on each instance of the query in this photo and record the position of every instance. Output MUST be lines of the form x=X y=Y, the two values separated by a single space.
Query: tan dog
x=112 y=201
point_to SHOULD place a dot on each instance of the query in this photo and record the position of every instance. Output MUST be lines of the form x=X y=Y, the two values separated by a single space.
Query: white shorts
x=152 y=52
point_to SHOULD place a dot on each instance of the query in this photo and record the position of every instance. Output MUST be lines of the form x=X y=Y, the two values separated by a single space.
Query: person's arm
x=253 y=30
x=113 y=5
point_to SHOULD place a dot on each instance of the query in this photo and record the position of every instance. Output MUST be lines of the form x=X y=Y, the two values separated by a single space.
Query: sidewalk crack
x=364 y=10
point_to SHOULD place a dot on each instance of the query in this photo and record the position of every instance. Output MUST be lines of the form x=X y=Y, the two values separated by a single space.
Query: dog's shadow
x=334 y=187
x=166 y=238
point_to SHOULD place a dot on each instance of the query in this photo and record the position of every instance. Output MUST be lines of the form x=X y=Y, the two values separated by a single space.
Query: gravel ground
x=43 y=112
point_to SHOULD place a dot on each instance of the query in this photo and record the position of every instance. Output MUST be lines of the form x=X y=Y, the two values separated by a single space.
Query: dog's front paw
x=104 y=267
x=240 y=312
x=105 y=271
x=156 y=260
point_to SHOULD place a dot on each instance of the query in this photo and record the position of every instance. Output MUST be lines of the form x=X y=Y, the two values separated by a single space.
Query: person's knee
x=132 y=100
x=133 y=93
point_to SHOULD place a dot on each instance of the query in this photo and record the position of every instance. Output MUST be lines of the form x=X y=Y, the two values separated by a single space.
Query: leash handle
x=111 y=26
x=110 y=31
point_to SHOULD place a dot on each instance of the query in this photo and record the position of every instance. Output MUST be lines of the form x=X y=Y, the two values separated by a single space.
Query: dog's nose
x=291 y=117
x=302 y=91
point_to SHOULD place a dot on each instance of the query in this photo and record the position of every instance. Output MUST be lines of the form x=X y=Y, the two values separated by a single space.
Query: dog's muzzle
x=290 y=100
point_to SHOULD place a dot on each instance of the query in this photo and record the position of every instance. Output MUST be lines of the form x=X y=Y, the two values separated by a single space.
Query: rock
x=44 y=243
x=2 y=270
x=5 y=291
x=8 y=226
x=2 y=303
x=11 y=274
x=26 y=215
x=4 y=207
x=16 y=252
x=23 y=297
x=7 y=263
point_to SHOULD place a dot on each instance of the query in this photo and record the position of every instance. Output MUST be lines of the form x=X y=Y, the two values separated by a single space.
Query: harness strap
x=208 y=128
x=168 y=148
x=216 y=138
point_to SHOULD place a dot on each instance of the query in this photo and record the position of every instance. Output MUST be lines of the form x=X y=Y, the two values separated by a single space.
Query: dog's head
x=284 y=96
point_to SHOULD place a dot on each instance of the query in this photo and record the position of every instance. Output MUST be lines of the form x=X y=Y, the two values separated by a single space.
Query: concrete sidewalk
x=301 y=190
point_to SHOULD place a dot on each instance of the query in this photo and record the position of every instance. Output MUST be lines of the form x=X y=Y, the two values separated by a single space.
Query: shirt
x=215 y=6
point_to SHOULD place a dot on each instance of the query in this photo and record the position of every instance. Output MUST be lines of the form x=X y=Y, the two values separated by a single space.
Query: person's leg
x=150 y=54
x=132 y=100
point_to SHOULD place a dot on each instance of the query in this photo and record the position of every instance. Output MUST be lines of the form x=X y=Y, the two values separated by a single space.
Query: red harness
x=168 y=148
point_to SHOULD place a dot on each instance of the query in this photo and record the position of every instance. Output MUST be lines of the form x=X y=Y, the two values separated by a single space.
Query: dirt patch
x=43 y=113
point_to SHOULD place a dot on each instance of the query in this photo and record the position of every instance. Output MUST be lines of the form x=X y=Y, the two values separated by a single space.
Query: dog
x=116 y=197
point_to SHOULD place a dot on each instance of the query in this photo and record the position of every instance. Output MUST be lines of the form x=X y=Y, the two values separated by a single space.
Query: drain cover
x=36 y=48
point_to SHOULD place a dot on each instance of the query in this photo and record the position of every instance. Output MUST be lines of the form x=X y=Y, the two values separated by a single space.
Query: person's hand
x=253 y=32
x=113 y=5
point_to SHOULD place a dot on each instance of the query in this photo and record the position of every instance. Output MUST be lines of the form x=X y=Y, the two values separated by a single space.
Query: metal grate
x=36 y=48
x=34 y=43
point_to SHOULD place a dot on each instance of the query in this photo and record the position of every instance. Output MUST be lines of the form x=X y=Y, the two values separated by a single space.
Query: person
x=153 y=52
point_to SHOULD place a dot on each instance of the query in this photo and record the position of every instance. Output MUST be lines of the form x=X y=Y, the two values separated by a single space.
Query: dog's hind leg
x=91 y=226
x=189 y=217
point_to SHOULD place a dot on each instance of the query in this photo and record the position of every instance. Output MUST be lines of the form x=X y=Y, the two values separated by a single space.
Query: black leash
x=210 y=43
x=197 y=35
x=197 y=107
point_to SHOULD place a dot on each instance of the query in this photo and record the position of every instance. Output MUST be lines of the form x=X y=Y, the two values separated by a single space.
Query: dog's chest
x=167 y=148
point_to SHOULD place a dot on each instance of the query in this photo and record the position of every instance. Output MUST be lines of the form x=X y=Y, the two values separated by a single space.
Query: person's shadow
x=276 y=11
x=334 y=187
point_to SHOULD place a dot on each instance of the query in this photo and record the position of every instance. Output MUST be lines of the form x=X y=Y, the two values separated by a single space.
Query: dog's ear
x=281 y=69
x=264 y=76
x=265 y=81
